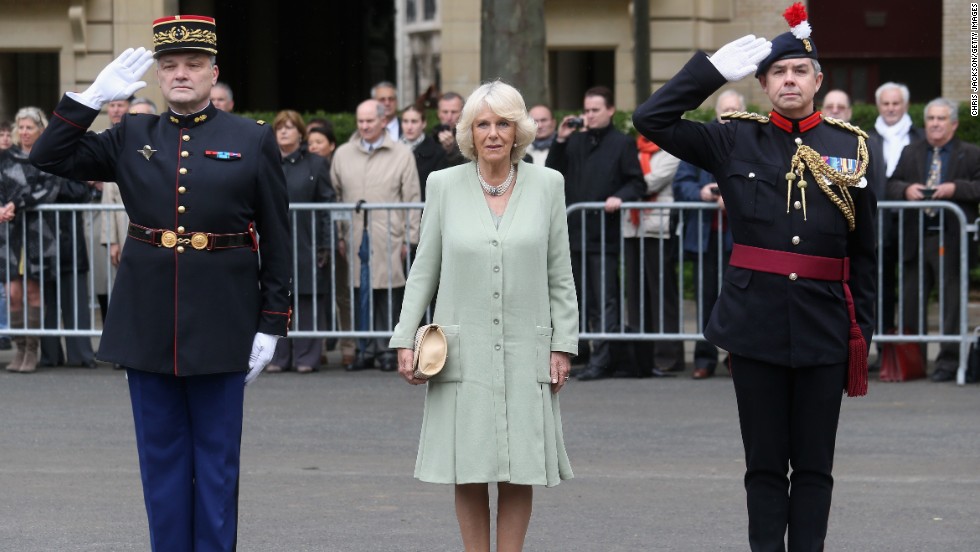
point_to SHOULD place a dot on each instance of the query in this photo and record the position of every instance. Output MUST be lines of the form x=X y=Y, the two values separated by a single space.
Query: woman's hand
x=7 y=212
x=560 y=367
x=405 y=358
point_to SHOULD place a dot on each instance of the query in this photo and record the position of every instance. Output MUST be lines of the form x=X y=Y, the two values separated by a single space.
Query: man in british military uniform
x=194 y=314
x=796 y=309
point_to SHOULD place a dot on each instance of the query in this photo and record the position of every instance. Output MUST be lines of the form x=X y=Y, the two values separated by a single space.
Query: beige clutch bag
x=430 y=351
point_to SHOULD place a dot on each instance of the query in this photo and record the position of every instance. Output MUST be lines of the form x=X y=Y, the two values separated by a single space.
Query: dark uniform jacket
x=963 y=168
x=597 y=164
x=759 y=315
x=173 y=310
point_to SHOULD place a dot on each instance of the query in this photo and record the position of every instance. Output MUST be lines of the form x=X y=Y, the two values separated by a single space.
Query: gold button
x=185 y=153
x=797 y=205
x=180 y=249
x=181 y=209
x=182 y=170
x=186 y=137
x=751 y=175
x=180 y=229
x=181 y=190
x=793 y=276
x=796 y=240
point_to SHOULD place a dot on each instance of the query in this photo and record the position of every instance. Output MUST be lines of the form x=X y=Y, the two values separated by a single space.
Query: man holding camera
x=941 y=167
x=599 y=163
x=449 y=108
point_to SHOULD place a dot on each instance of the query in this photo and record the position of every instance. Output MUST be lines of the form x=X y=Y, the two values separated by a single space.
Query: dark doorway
x=572 y=72
x=306 y=56
x=28 y=79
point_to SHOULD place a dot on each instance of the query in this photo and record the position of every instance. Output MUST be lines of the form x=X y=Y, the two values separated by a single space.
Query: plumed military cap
x=794 y=44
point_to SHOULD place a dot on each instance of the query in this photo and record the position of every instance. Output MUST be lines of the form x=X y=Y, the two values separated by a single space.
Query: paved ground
x=328 y=458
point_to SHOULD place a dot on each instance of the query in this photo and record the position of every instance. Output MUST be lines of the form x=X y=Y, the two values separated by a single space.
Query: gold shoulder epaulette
x=846 y=126
x=260 y=122
x=745 y=116
x=133 y=112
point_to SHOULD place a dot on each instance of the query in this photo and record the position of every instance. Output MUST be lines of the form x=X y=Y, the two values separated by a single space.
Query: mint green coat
x=505 y=300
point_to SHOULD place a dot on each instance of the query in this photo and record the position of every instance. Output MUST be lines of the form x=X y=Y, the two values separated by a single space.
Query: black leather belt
x=198 y=240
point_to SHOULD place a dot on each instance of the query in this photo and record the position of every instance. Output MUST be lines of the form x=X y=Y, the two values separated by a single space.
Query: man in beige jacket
x=373 y=168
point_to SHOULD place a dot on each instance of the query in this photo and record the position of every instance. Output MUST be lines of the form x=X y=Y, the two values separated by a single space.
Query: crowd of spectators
x=388 y=160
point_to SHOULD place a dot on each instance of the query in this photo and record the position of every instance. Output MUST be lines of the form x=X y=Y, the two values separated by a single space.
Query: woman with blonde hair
x=494 y=244
x=27 y=240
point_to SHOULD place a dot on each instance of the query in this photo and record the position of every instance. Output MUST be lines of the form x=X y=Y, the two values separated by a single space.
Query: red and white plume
x=796 y=17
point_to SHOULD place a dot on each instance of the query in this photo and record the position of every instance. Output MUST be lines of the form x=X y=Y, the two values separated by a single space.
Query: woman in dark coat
x=27 y=241
x=307 y=181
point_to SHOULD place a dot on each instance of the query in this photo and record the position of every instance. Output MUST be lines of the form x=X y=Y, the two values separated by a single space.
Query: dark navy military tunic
x=764 y=316
x=181 y=310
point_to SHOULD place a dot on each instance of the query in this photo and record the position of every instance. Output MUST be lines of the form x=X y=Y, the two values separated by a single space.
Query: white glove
x=119 y=80
x=263 y=346
x=740 y=58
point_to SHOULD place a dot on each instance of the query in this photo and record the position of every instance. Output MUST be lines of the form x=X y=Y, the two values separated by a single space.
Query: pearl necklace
x=496 y=190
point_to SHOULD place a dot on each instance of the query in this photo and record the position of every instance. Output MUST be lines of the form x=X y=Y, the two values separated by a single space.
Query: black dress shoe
x=940 y=375
x=594 y=373
x=360 y=363
x=658 y=373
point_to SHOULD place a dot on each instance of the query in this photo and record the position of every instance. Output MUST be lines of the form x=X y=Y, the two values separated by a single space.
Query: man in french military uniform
x=194 y=315
x=796 y=309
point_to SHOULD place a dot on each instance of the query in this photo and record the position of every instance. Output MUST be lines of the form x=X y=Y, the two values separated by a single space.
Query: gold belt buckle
x=199 y=240
x=168 y=238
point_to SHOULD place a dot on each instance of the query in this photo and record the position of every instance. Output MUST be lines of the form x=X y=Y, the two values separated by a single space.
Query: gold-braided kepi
x=184 y=32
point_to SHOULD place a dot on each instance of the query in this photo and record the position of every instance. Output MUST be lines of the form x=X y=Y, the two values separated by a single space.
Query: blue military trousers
x=188 y=435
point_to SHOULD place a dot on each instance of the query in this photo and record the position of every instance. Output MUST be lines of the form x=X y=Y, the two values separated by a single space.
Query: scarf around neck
x=893 y=139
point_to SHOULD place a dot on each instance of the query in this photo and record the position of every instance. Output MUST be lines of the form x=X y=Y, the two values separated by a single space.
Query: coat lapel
x=513 y=202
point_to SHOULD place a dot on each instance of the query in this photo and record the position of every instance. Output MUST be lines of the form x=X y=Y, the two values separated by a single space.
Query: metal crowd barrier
x=72 y=291
x=694 y=212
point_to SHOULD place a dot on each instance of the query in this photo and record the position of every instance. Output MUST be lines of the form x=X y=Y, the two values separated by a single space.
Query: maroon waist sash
x=795 y=265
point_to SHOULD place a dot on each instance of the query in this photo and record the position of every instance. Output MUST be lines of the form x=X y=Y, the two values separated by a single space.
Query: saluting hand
x=740 y=57
x=119 y=80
